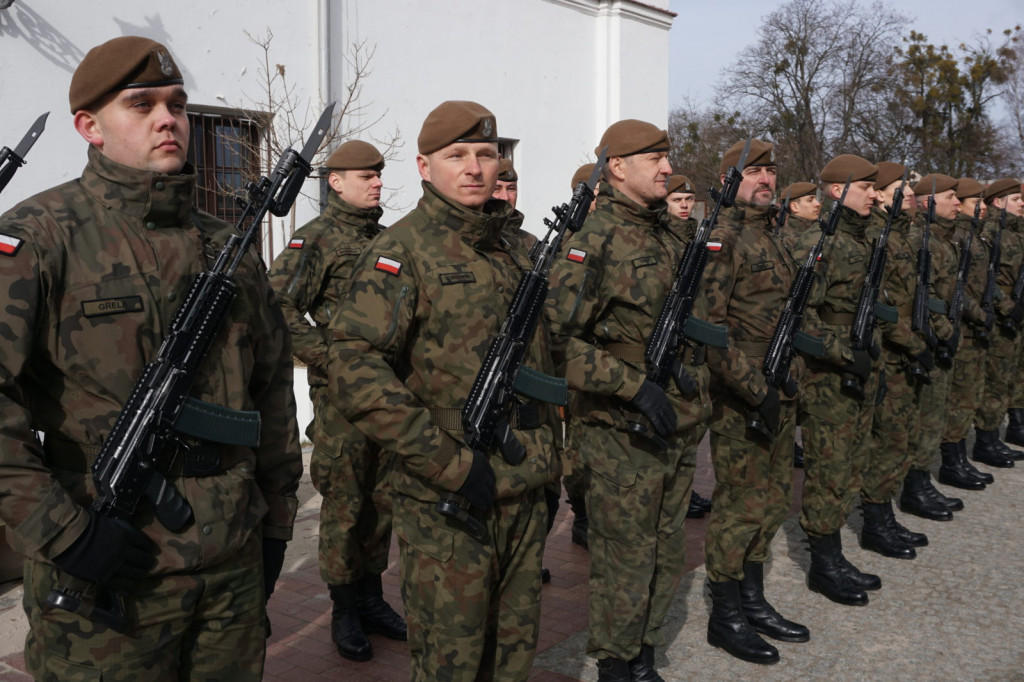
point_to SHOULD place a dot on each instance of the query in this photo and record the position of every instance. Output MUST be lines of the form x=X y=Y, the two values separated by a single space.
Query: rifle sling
x=844 y=319
x=219 y=424
x=635 y=354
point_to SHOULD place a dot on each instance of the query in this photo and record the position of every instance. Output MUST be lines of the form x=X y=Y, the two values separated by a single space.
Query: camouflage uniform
x=104 y=264
x=311 y=275
x=427 y=298
x=606 y=292
x=897 y=416
x=747 y=281
x=836 y=426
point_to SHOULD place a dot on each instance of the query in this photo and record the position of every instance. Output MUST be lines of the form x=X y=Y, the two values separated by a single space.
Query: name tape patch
x=111 y=306
x=644 y=261
x=388 y=265
x=457 y=278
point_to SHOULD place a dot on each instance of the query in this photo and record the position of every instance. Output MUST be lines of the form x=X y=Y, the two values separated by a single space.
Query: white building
x=555 y=72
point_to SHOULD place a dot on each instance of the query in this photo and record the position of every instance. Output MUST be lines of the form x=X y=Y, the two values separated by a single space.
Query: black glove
x=1017 y=314
x=770 y=410
x=109 y=552
x=861 y=365
x=652 y=401
x=875 y=351
x=273 y=562
x=478 y=488
x=930 y=339
x=883 y=388
x=990 y=319
x=926 y=359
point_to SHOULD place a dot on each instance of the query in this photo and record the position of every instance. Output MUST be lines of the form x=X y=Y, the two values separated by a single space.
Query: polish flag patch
x=714 y=246
x=9 y=245
x=388 y=265
x=576 y=255
x=296 y=243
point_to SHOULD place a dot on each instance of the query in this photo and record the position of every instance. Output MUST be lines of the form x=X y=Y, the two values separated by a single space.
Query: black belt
x=525 y=417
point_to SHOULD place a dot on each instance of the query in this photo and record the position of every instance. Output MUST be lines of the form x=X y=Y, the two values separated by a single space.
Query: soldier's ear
x=616 y=168
x=88 y=126
x=423 y=164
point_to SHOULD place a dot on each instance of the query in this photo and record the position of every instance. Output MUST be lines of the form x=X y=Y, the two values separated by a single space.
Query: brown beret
x=582 y=174
x=888 y=173
x=355 y=155
x=797 y=190
x=680 y=183
x=631 y=136
x=941 y=182
x=968 y=187
x=506 y=171
x=1003 y=187
x=118 y=64
x=850 y=166
x=457 y=121
x=760 y=154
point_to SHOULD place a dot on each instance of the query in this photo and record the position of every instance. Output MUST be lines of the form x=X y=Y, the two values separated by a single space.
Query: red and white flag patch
x=576 y=255
x=388 y=265
x=296 y=243
x=9 y=245
x=714 y=246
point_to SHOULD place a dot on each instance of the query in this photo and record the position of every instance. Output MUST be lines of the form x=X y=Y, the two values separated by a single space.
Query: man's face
x=361 y=188
x=859 y=198
x=508 y=191
x=642 y=177
x=680 y=204
x=885 y=195
x=968 y=205
x=807 y=207
x=465 y=172
x=758 y=185
x=946 y=204
x=1015 y=204
x=142 y=128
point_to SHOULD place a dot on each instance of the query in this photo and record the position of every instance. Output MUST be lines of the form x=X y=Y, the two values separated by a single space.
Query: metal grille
x=225 y=153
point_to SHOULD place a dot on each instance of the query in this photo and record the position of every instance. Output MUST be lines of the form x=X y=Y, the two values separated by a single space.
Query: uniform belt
x=905 y=310
x=200 y=458
x=525 y=417
x=755 y=349
x=829 y=317
x=636 y=354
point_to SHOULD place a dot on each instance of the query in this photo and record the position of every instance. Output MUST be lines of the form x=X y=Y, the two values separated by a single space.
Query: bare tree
x=699 y=138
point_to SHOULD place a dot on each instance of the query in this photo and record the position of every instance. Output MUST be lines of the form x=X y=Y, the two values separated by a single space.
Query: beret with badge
x=582 y=174
x=761 y=154
x=1003 y=187
x=120 y=64
x=456 y=121
x=934 y=183
x=355 y=155
x=849 y=166
x=680 y=183
x=798 y=190
x=506 y=171
x=968 y=188
x=630 y=136
x=888 y=173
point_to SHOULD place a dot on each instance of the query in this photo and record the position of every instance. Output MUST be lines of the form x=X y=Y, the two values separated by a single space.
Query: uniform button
x=245 y=468
x=533 y=460
x=171 y=296
x=151 y=225
x=160 y=185
x=501 y=290
x=207 y=530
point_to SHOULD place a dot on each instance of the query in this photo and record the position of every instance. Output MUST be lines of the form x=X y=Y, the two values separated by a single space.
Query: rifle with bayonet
x=13 y=159
x=944 y=356
x=780 y=218
x=988 y=298
x=1015 y=317
x=919 y=321
x=146 y=436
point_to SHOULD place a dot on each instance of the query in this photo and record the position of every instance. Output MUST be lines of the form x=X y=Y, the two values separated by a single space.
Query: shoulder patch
x=576 y=255
x=296 y=243
x=388 y=265
x=9 y=246
x=714 y=246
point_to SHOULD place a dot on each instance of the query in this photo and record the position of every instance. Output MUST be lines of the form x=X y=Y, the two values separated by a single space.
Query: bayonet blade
x=742 y=163
x=316 y=137
x=595 y=175
x=30 y=137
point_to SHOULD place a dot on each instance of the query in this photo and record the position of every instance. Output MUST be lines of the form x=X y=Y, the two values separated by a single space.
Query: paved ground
x=954 y=613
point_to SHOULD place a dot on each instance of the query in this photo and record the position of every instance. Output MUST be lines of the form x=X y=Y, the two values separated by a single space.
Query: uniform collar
x=483 y=229
x=626 y=210
x=852 y=222
x=154 y=198
x=366 y=220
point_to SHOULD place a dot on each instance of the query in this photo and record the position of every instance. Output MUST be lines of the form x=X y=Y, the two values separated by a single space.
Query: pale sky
x=707 y=35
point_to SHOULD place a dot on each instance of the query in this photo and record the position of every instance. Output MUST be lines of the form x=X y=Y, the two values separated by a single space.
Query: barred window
x=225 y=150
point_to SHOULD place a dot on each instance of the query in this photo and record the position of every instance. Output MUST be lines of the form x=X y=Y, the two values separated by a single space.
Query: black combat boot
x=798 y=456
x=951 y=503
x=346 y=632
x=987 y=450
x=1015 y=429
x=952 y=472
x=728 y=628
x=908 y=536
x=579 y=522
x=856 y=577
x=827 y=574
x=375 y=614
x=612 y=670
x=641 y=668
x=760 y=614
x=982 y=476
x=916 y=499
x=695 y=510
x=878 y=536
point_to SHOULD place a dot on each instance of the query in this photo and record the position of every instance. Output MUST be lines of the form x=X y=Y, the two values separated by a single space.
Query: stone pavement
x=954 y=613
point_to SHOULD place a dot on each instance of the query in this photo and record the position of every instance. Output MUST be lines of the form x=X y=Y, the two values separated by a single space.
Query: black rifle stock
x=919 y=321
x=1007 y=324
x=988 y=298
x=144 y=436
x=13 y=159
x=945 y=353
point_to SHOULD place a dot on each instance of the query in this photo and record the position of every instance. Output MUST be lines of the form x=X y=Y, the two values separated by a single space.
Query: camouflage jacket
x=427 y=297
x=102 y=264
x=747 y=281
x=1011 y=256
x=977 y=266
x=943 y=267
x=311 y=275
x=607 y=288
x=898 y=282
x=791 y=233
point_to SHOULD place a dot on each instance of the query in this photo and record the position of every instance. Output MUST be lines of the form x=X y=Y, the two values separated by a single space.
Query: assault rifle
x=1009 y=323
x=780 y=218
x=487 y=413
x=12 y=160
x=988 y=299
x=145 y=436
x=919 y=315
x=945 y=353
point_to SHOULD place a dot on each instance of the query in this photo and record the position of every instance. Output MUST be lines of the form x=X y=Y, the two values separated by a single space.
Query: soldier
x=606 y=293
x=839 y=392
x=920 y=497
x=747 y=280
x=507 y=188
x=1001 y=364
x=907 y=361
x=426 y=299
x=106 y=259
x=311 y=276
x=1015 y=404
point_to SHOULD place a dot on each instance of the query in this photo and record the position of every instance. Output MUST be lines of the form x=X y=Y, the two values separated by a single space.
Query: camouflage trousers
x=1000 y=372
x=1016 y=398
x=924 y=444
x=199 y=626
x=636 y=501
x=888 y=450
x=837 y=435
x=351 y=473
x=473 y=609
x=753 y=488
x=965 y=389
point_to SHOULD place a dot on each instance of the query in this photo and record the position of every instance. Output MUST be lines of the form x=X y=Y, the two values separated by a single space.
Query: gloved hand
x=110 y=552
x=478 y=488
x=861 y=365
x=875 y=351
x=273 y=562
x=653 y=403
x=1017 y=314
x=770 y=410
x=926 y=359
x=930 y=339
